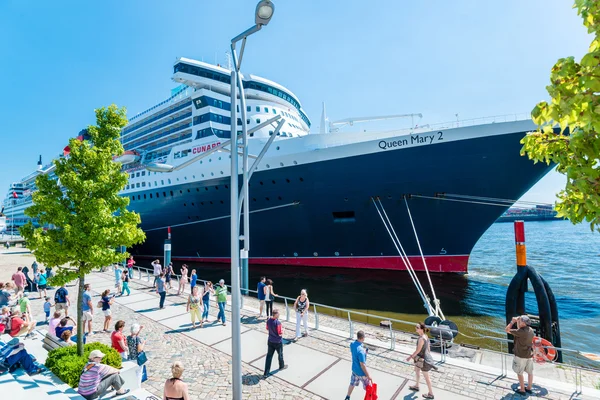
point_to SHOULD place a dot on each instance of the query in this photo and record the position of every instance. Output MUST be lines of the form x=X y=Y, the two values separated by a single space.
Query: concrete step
x=8 y=384
x=37 y=387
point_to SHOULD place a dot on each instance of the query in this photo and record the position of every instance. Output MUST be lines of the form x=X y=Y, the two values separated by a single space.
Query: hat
x=526 y=320
x=96 y=354
x=25 y=294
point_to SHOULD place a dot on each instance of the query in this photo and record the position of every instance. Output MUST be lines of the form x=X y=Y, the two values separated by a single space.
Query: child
x=47 y=306
x=193 y=280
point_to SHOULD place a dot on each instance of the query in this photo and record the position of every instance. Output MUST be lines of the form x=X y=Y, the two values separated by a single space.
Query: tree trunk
x=80 y=327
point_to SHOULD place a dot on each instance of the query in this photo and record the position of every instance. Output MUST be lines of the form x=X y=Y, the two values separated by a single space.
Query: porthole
x=315 y=254
x=185 y=204
x=210 y=160
x=138 y=196
x=219 y=158
x=150 y=195
x=180 y=192
x=157 y=195
x=216 y=188
x=168 y=180
x=295 y=162
x=203 y=175
x=189 y=217
x=389 y=197
x=268 y=166
x=212 y=174
x=197 y=189
x=177 y=179
x=273 y=182
x=193 y=176
x=210 y=202
x=337 y=253
x=277 y=147
x=266 y=198
x=193 y=204
x=287 y=180
x=254 y=199
x=170 y=191
x=295 y=254
x=260 y=183
x=206 y=188
x=201 y=203
x=227 y=187
x=164 y=194
x=222 y=202
x=200 y=161
x=279 y=198
x=185 y=178
x=301 y=179
x=281 y=164
x=221 y=172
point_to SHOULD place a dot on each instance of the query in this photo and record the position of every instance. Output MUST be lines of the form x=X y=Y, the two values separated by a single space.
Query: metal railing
x=443 y=343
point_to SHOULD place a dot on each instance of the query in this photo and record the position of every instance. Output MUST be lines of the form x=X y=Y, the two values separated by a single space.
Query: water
x=566 y=255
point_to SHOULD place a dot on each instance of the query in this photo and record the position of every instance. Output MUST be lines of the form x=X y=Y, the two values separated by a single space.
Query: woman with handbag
x=135 y=345
x=423 y=360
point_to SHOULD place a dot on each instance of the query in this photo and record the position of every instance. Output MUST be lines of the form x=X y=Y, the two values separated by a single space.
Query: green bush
x=67 y=365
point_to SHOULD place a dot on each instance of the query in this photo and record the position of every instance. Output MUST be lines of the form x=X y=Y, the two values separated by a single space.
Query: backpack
x=59 y=296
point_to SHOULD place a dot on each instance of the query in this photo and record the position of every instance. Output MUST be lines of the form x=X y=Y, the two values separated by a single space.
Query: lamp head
x=264 y=12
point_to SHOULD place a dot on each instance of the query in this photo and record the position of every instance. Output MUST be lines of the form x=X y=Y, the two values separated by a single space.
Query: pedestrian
x=19 y=279
x=118 y=273
x=221 y=292
x=423 y=360
x=175 y=388
x=97 y=378
x=105 y=302
x=42 y=283
x=135 y=347
x=5 y=296
x=523 y=349
x=88 y=308
x=125 y=279
x=260 y=291
x=194 y=307
x=207 y=291
x=13 y=355
x=65 y=326
x=66 y=337
x=269 y=297
x=274 y=343
x=193 y=279
x=28 y=281
x=360 y=373
x=53 y=323
x=160 y=289
x=157 y=270
x=47 y=308
x=34 y=267
x=118 y=341
x=184 y=279
x=25 y=307
x=168 y=274
x=19 y=327
x=302 y=305
x=130 y=264
x=61 y=300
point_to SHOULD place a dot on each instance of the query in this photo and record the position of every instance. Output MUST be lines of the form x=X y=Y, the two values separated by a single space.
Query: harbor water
x=567 y=256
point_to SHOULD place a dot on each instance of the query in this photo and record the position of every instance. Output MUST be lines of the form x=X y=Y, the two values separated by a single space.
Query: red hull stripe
x=455 y=264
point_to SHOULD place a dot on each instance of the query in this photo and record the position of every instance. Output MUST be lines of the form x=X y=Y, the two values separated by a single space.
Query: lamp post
x=264 y=12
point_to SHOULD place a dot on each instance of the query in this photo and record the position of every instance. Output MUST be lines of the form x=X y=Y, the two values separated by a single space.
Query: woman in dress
x=184 y=279
x=302 y=305
x=194 y=307
x=422 y=359
x=269 y=297
x=206 y=292
x=168 y=275
x=175 y=388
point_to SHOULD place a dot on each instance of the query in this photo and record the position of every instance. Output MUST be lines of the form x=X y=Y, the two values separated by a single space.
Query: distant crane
x=334 y=126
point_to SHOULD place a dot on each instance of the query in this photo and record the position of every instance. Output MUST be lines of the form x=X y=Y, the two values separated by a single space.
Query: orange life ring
x=543 y=350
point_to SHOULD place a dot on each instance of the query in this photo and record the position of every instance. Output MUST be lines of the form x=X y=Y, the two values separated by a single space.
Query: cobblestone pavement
x=208 y=370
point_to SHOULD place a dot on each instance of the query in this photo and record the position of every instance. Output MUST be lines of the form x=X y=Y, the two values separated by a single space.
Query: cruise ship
x=311 y=196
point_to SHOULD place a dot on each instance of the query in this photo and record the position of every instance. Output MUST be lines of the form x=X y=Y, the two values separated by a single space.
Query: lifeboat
x=127 y=157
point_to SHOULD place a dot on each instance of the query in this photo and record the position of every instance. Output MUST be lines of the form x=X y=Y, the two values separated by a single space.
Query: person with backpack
x=61 y=300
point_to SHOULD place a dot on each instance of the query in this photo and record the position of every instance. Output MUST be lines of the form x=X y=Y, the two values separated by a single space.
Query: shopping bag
x=144 y=374
x=371 y=393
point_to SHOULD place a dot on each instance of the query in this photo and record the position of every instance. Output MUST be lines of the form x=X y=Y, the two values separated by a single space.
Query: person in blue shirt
x=260 y=289
x=360 y=373
x=193 y=279
x=13 y=353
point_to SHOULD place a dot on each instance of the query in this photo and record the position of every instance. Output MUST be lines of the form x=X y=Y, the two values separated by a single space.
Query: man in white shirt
x=157 y=270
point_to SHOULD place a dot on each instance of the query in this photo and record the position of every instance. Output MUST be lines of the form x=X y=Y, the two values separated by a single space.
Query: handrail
x=392 y=334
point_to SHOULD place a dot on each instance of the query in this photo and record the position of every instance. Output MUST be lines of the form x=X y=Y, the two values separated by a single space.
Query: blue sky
x=471 y=57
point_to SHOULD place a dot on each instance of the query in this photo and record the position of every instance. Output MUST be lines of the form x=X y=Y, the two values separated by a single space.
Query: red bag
x=371 y=392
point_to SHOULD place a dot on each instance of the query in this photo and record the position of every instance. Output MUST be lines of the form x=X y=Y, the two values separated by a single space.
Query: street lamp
x=263 y=14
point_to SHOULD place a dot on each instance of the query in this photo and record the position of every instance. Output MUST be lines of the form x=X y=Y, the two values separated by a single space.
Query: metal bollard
x=393 y=340
x=351 y=326
x=287 y=311
x=316 y=317
x=392 y=344
x=147 y=276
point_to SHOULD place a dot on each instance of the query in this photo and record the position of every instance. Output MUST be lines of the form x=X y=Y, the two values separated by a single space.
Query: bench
x=52 y=342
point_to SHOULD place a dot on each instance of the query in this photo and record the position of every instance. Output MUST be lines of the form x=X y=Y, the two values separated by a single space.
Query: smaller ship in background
x=541 y=212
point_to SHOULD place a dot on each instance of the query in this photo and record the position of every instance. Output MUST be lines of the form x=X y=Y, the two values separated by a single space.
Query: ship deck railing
x=578 y=363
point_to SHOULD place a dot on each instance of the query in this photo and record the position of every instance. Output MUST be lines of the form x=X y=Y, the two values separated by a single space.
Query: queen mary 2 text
x=412 y=140
x=204 y=148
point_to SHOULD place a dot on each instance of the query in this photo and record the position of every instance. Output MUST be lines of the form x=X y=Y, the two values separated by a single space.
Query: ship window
x=251 y=134
x=257 y=109
x=248 y=121
x=270 y=133
x=343 y=217
x=248 y=108
x=138 y=196
x=150 y=195
x=257 y=120
x=155 y=183
x=171 y=193
x=157 y=195
x=137 y=184
x=137 y=174
x=266 y=110
x=162 y=182
x=237 y=108
x=168 y=180
x=143 y=173
x=143 y=184
x=144 y=197
x=164 y=194
x=220 y=104
x=274 y=111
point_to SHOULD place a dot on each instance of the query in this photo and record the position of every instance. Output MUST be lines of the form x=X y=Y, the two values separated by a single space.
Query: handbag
x=371 y=392
x=141 y=358
x=419 y=361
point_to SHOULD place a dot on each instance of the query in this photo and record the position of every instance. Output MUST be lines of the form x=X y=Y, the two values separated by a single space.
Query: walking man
x=274 y=343
x=61 y=300
x=221 y=292
x=19 y=279
x=157 y=270
x=360 y=373
x=523 y=349
x=160 y=289
x=261 y=294
x=88 y=308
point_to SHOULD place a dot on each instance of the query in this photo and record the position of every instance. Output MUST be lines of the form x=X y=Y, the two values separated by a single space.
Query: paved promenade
x=319 y=365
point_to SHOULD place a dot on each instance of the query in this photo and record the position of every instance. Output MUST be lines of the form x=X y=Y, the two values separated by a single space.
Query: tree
x=86 y=217
x=569 y=126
